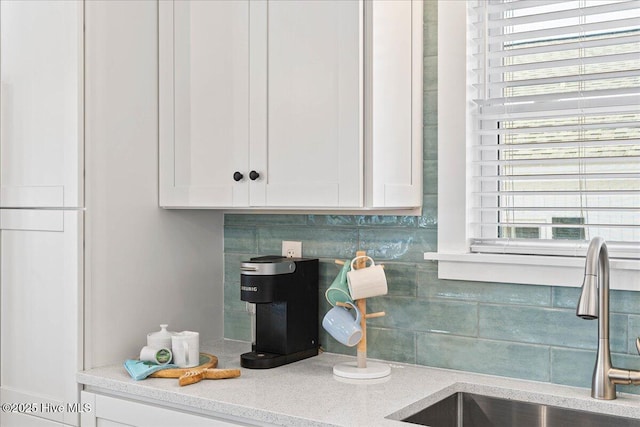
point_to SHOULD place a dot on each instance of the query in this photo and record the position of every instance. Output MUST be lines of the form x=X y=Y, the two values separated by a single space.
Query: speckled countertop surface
x=306 y=393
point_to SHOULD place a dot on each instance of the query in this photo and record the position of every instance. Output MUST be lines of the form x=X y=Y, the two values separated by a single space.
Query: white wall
x=144 y=265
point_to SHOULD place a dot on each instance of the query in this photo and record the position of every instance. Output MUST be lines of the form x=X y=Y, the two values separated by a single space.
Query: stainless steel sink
x=471 y=410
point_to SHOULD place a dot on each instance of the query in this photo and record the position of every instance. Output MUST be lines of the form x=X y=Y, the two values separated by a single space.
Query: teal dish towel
x=140 y=370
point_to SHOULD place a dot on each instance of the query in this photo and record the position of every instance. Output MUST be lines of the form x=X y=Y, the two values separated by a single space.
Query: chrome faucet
x=594 y=304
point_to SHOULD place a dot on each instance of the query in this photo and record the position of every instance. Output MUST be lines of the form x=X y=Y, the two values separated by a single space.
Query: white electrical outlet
x=291 y=249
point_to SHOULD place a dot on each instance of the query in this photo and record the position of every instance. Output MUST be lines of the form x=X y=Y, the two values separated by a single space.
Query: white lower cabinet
x=107 y=411
x=40 y=315
x=17 y=419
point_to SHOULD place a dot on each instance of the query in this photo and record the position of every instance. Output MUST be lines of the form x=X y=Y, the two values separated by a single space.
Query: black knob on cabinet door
x=237 y=176
x=253 y=175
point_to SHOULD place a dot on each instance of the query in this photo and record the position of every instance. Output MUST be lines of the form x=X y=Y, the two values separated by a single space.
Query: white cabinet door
x=306 y=103
x=17 y=419
x=41 y=103
x=204 y=103
x=394 y=76
x=40 y=311
x=110 y=411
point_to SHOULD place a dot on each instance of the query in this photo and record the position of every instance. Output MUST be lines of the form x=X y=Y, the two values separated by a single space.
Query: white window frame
x=455 y=261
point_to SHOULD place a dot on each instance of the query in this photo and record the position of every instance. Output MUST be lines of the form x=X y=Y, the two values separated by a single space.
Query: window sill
x=530 y=269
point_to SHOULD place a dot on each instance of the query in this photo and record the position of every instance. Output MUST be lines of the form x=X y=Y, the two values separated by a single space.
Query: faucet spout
x=594 y=304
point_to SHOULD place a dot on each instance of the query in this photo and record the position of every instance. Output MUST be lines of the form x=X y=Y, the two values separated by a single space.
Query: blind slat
x=559 y=128
x=563 y=14
x=612 y=160
x=583 y=78
x=560 y=209
x=555 y=177
x=567 y=31
x=567 y=45
x=565 y=105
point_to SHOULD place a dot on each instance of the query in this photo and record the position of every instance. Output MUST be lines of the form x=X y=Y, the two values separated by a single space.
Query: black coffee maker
x=285 y=291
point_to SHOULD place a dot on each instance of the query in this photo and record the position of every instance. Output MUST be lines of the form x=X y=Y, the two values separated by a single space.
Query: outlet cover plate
x=291 y=249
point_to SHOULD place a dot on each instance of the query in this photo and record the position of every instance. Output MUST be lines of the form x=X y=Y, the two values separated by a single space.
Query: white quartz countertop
x=306 y=393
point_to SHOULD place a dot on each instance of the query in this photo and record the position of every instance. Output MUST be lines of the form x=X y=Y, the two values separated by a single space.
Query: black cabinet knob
x=237 y=176
x=253 y=175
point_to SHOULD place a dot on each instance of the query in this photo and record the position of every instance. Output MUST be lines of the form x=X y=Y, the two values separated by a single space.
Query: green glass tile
x=338 y=220
x=262 y=219
x=575 y=367
x=401 y=279
x=430 y=40
x=232 y=299
x=430 y=148
x=634 y=332
x=429 y=286
x=619 y=301
x=484 y=356
x=547 y=326
x=430 y=109
x=430 y=174
x=429 y=218
x=386 y=220
x=237 y=325
x=449 y=317
x=401 y=244
x=430 y=81
x=391 y=344
x=240 y=239
x=430 y=11
x=572 y=367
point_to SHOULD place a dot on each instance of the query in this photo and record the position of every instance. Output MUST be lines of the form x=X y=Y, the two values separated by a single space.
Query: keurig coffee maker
x=285 y=291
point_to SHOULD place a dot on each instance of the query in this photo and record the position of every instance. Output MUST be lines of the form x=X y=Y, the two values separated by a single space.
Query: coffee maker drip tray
x=261 y=360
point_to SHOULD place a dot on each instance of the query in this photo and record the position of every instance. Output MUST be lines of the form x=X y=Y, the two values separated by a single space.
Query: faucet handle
x=638 y=344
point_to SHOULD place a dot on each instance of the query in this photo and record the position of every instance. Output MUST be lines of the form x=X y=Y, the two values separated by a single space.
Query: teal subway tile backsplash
x=484 y=356
x=513 y=330
x=449 y=317
x=391 y=344
x=337 y=220
x=401 y=279
x=237 y=325
x=572 y=367
x=565 y=329
x=389 y=221
x=395 y=244
x=239 y=239
x=430 y=287
x=254 y=219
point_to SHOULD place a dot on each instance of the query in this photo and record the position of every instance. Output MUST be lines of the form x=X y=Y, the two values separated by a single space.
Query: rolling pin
x=195 y=376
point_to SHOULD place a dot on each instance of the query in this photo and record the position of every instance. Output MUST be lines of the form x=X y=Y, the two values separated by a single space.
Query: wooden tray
x=206 y=361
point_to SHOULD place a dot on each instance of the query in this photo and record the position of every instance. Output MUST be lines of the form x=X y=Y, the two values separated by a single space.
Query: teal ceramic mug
x=339 y=289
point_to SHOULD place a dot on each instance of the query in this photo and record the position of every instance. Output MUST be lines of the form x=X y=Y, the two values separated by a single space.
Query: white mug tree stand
x=361 y=369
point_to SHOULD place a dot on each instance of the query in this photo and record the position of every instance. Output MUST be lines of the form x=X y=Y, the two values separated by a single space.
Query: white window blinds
x=556 y=125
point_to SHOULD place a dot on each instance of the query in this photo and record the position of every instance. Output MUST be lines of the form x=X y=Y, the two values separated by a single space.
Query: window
x=551 y=142
x=556 y=138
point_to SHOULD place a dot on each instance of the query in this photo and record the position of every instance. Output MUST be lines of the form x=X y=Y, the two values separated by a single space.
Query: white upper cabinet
x=40 y=104
x=274 y=104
